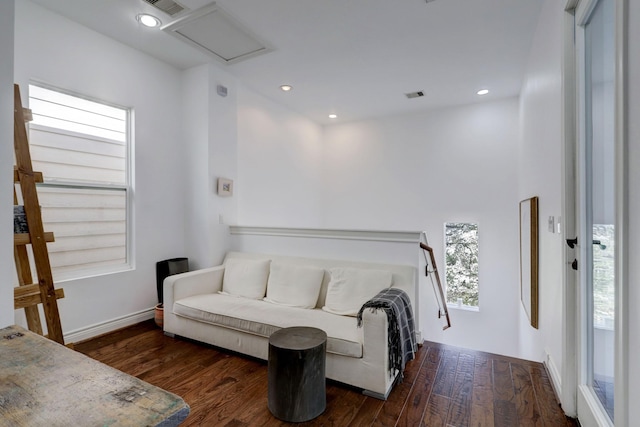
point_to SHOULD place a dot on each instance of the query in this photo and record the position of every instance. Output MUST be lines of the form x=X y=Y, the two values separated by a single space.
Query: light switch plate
x=551 y=227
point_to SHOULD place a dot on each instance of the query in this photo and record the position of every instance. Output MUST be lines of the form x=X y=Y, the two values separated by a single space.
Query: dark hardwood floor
x=443 y=386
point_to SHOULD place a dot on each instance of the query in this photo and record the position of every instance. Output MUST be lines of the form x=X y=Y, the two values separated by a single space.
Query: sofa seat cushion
x=263 y=318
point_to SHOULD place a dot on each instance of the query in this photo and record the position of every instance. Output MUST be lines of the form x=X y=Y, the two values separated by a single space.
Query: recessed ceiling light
x=148 y=20
x=286 y=88
x=333 y=116
x=483 y=91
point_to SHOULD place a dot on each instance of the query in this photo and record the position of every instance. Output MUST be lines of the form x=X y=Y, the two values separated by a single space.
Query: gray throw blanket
x=401 y=336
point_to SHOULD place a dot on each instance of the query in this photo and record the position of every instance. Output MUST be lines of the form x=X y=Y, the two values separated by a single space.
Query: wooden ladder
x=28 y=295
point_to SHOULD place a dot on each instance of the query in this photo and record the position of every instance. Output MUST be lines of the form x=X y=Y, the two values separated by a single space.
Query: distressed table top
x=43 y=383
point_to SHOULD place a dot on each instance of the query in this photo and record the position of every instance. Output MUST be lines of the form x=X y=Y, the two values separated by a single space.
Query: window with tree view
x=461 y=263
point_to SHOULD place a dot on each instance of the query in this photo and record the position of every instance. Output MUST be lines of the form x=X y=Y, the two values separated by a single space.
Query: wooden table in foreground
x=43 y=383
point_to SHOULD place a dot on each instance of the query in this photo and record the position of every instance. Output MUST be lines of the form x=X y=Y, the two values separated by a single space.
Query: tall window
x=461 y=263
x=82 y=148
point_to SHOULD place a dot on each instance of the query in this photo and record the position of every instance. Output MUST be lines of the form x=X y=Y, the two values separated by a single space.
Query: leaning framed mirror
x=529 y=258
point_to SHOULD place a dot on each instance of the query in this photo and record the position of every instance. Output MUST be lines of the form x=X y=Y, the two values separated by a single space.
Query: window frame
x=454 y=305
x=127 y=187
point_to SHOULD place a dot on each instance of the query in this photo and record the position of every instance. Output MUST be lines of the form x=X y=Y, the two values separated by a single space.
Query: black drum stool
x=297 y=384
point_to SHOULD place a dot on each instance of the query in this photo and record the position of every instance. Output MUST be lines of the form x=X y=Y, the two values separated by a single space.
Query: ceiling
x=354 y=58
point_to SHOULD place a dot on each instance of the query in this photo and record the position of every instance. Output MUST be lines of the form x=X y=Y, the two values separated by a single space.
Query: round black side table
x=296 y=372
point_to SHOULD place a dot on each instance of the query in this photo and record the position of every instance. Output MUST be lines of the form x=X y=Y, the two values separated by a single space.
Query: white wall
x=540 y=161
x=6 y=161
x=416 y=172
x=60 y=52
x=223 y=158
x=633 y=200
x=196 y=148
x=280 y=165
x=210 y=138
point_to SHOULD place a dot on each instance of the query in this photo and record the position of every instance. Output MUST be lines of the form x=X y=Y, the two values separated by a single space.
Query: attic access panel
x=216 y=33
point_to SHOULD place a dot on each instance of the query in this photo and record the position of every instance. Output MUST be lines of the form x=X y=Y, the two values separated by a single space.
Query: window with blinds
x=82 y=148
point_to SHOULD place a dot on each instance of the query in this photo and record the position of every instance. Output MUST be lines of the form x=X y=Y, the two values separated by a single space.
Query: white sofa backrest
x=403 y=276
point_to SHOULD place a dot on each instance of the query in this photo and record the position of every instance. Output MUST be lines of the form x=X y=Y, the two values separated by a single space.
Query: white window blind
x=81 y=146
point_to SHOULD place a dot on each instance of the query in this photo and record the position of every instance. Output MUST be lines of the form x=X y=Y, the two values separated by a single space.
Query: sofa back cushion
x=350 y=288
x=245 y=278
x=294 y=285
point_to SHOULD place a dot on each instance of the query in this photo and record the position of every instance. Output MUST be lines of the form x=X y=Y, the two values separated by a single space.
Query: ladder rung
x=29 y=295
x=25 y=239
x=37 y=176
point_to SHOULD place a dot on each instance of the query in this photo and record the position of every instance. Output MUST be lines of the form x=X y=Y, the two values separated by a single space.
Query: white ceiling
x=354 y=58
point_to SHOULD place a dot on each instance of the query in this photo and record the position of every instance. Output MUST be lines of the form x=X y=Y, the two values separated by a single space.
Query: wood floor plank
x=525 y=399
x=367 y=413
x=482 y=397
x=481 y=416
x=341 y=410
x=446 y=373
x=105 y=340
x=502 y=381
x=221 y=402
x=225 y=389
x=460 y=406
x=433 y=356
x=436 y=412
x=504 y=413
x=185 y=368
x=414 y=409
x=550 y=410
x=466 y=364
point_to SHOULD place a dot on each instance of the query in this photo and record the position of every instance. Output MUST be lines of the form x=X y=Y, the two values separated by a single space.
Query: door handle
x=599 y=243
x=574 y=264
x=572 y=242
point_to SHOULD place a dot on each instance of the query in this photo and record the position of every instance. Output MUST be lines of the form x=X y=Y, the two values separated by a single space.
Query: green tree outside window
x=461 y=263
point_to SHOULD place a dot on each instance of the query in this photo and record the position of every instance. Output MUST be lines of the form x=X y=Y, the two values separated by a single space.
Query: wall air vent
x=417 y=94
x=216 y=33
x=169 y=7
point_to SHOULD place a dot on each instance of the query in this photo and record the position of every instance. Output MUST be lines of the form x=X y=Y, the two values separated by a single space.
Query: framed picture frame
x=529 y=258
x=225 y=187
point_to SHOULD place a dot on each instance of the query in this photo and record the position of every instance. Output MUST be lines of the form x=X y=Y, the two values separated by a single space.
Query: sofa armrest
x=375 y=331
x=204 y=281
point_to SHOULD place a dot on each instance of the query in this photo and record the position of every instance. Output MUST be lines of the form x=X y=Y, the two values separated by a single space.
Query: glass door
x=597 y=208
x=600 y=230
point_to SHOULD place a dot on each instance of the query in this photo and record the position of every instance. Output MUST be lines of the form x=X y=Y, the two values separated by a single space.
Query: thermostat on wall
x=222 y=90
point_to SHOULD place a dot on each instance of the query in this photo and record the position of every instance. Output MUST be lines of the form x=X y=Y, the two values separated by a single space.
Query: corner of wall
x=7 y=11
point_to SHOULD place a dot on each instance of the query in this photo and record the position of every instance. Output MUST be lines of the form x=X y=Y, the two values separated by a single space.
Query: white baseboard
x=108 y=326
x=554 y=373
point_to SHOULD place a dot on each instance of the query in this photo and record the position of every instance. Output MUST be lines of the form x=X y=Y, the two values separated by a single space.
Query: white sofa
x=197 y=307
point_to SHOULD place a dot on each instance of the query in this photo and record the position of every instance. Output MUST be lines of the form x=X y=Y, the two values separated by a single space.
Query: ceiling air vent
x=417 y=94
x=169 y=7
x=218 y=34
